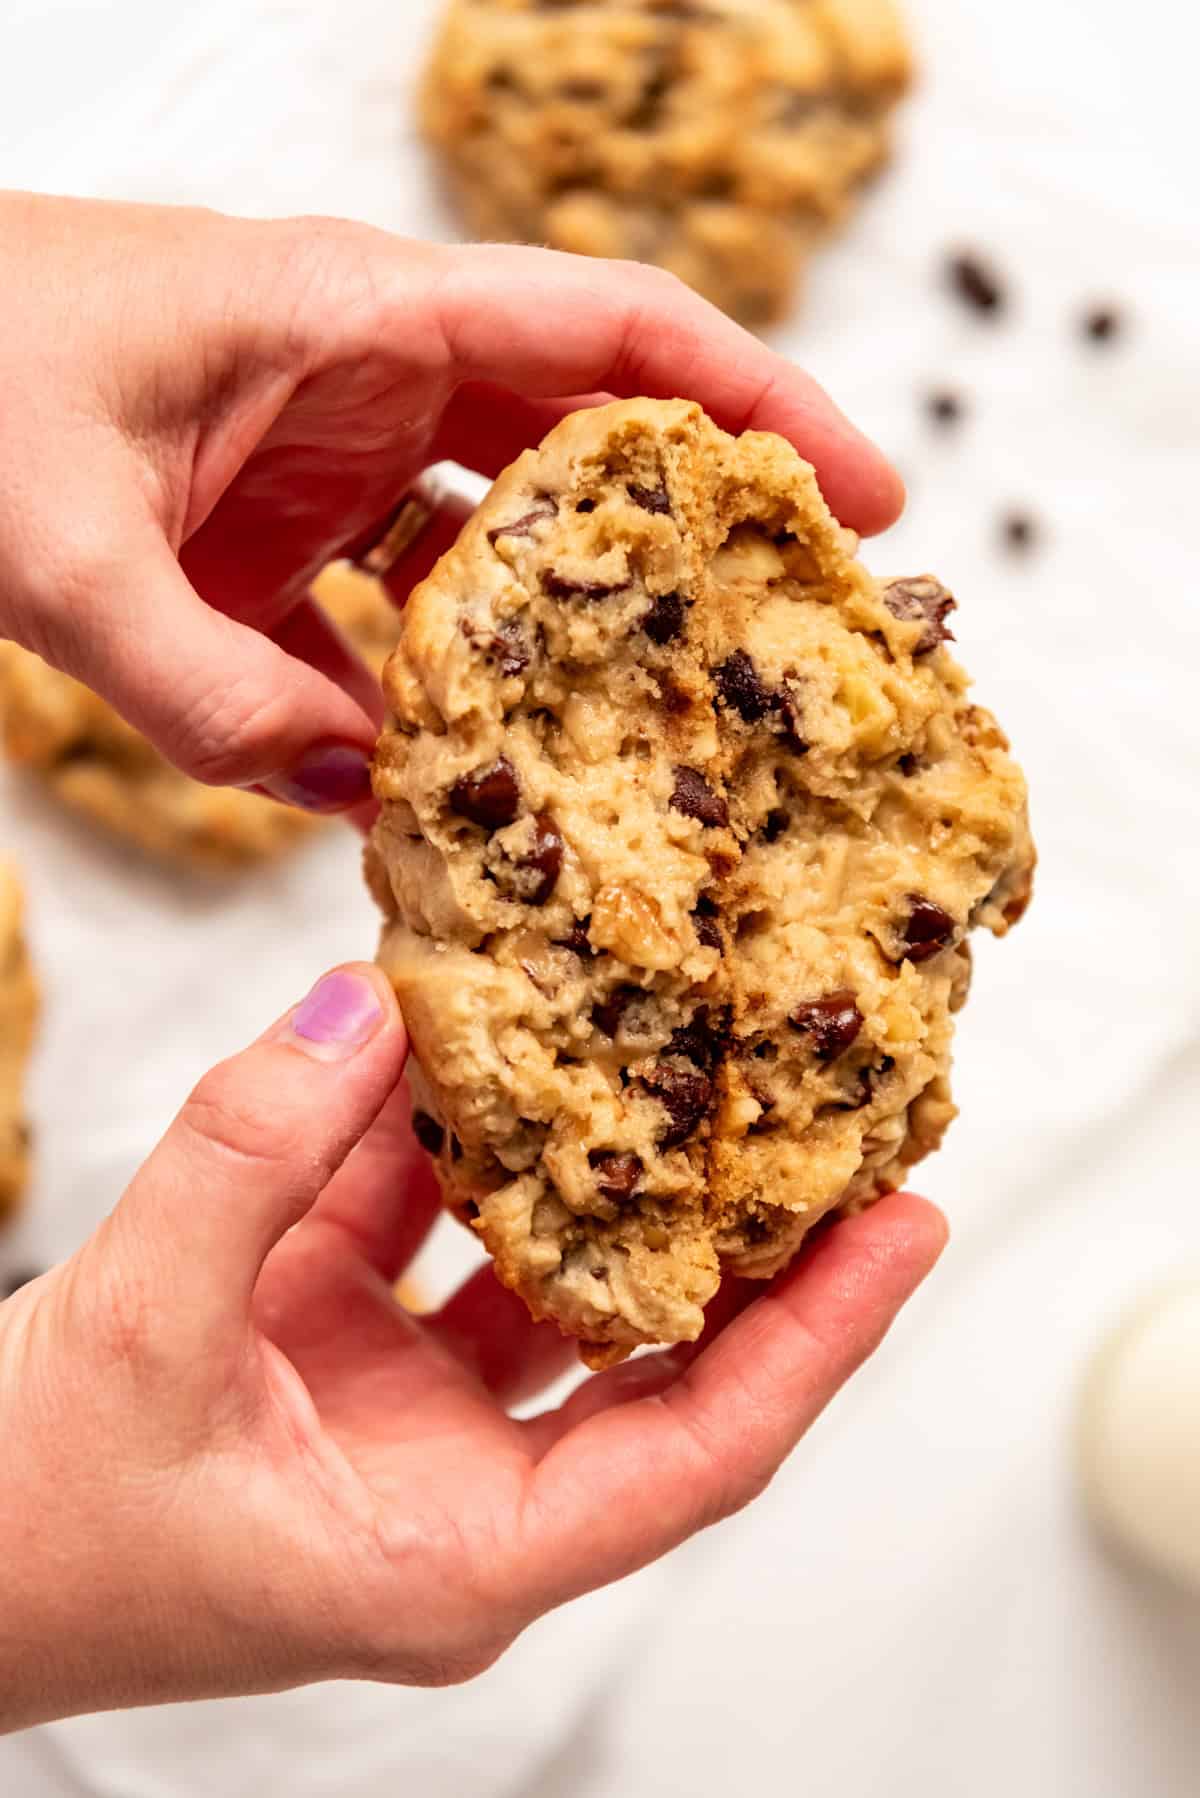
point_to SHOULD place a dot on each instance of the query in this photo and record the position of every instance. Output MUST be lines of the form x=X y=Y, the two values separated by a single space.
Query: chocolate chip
x=539 y=869
x=577 y=940
x=685 y=1098
x=944 y=407
x=490 y=797
x=792 y=717
x=607 y=1015
x=776 y=823
x=507 y=646
x=922 y=601
x=831 y=1024
x=869 y=1080
x=704 y=1040
x=21 y=1276
x=908 y=765
x=740 y=687
x=559 y=586
x=651 y=499
x=976 y=283
x=1102 y=324
x=927 y=930
x=1019 y=531
x=695 y=799
x=428 y=1132
x=586 y=505
x=523 y=526
x=617 y=1173
x=663 y=623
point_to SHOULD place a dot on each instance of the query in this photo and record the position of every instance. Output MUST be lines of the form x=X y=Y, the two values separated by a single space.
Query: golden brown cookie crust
x=99 y=766
x=686 y=819
x=18 y=1017
x=721 y=139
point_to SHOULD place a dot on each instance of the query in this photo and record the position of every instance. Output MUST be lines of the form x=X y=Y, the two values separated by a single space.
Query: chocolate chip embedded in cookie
x=721 y=140
x=18 y=1016
x=95 y=764
x=677 y=916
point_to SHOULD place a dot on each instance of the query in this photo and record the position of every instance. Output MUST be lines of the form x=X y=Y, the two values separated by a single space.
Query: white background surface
x=916 y=1608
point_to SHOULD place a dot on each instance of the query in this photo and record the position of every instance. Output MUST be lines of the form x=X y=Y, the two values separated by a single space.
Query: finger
x=628 y=1484
x=490 y=1330
x=221 y=701
x=486 y=427
x=256 y=1144
x=548 y=325
x=310 y=636
x=386 y=1199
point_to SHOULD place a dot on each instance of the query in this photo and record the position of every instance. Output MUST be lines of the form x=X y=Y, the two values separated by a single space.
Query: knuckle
x=231 y=734
x=234 y=1122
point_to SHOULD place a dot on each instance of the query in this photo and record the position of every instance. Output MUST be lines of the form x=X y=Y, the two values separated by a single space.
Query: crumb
x=976 y=283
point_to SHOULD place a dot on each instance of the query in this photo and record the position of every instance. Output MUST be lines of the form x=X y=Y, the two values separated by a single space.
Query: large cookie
x=18 y=1015
x=719 y=138
x=686 y=820
x=96 y=764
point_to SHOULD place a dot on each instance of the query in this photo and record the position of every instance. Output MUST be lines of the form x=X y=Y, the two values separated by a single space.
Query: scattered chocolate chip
x=922 y=601
x=523 y=526
x=695 y=798
x=663 y=623
x=776 y=823
x=577 y=940
x=1102 y=324
x=944 y=407
x=428 y=1132
x=558 y=586
x=740 y=687
x=490 y=797
x=831 y=1024
x=540 y=868
x=927 y=931
x=1019 y=532
x=703 y=1041
x=586 y=505
x=651 y=499
x=685 y=1098
x=617 y=1173
x=607 y=1015
x=21 y=1276
x=977 y=284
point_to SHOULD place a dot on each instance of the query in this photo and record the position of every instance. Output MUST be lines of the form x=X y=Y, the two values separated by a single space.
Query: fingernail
x=328 y=780
x=340 y=1014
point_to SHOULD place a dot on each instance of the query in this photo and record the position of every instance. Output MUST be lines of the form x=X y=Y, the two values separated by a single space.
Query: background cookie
x=95 y=763
x=18 y=1015
x=718 y=138
x=685 y=822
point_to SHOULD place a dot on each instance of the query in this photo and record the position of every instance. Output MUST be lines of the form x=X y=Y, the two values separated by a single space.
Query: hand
x=234 y=1464
x=200 y=411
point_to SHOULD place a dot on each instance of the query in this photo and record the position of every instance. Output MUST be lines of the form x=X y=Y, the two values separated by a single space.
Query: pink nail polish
x=329 y=779
x=341 y=1012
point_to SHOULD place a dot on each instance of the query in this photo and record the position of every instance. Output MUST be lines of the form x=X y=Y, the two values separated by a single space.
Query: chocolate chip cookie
x=686 y=820
x=721 y=139
x=96 y=764
x=18 y=1015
